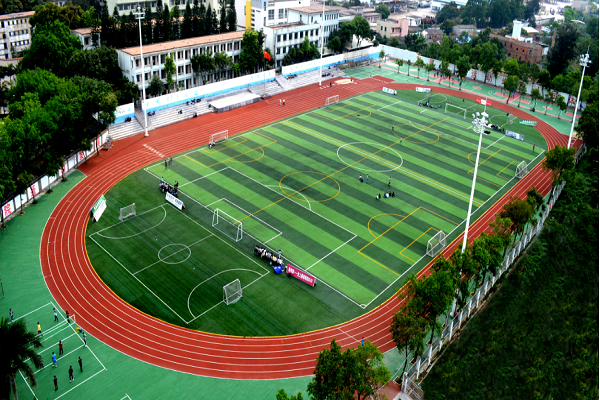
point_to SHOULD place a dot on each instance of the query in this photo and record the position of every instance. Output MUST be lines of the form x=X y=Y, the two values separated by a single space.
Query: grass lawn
x=294 y=185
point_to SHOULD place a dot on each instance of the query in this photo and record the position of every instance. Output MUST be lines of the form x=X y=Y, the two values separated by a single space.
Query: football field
x=294 y=185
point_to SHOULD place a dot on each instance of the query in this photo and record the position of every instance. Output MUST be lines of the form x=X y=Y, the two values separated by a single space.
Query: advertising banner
x=390 y=91
x=175 y=201
x=301 y=275
x=526 y=122
x=514 y=135
x=99 y=208
x=423 y=90
x=484 y=102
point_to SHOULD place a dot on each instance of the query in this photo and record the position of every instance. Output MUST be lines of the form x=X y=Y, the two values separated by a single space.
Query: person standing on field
x=71 y=379
x=80 y=364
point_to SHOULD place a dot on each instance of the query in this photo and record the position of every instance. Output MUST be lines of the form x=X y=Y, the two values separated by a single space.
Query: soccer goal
x=219 y=136
x=227 y=225
x=332 y=100
x=510 y=119
x=436 y=244
x=521 y=170
x=232 y=292
x=456 y=110
x=126 y=212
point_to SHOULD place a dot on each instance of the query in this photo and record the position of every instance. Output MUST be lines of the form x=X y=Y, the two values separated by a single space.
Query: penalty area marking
x=136 y=234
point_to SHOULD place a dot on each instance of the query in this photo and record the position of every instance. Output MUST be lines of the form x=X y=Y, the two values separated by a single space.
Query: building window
x=244 y=10
x=137 y=62
x=284 y=37
x=236 y=46
x=296 y=35
x=138 y=78
x=278 y=51
x=265 y=21
x=279 y=38
x=271 y=15
x=126 y=7
x=120 y=7
x=163 y=58
x=265 y=6
x=281 y=13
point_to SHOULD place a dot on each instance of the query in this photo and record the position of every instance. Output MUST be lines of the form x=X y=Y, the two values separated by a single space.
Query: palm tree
x=16 y=348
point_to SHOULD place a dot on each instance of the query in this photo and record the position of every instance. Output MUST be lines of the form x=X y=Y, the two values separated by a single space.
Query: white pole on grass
x=322 y=42
x=584 y=60
x=139 y=14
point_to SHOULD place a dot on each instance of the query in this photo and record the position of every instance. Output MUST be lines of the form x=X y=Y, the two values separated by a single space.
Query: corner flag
x=267 y=56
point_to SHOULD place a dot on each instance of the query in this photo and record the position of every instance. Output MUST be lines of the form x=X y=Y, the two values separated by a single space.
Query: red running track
x=78 y=289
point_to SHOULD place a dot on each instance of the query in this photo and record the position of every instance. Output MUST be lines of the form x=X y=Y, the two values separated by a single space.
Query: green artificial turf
x=294 y=186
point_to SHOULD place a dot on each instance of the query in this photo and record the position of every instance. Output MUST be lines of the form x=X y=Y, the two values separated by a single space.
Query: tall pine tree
x=167 y=25
x=196 y=30
x=232 y=17
x=201 y=21
x=106 y=30
x=186 y=26
x=215 y=22
x=175 y=18
x=222 y=16
x=208 y=23
x=147 y=26
x=159 y=23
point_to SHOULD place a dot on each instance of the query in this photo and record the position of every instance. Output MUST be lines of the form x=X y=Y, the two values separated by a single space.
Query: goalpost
x=232 y=292
x=521 y=170
x=219 y=136
x=436 y=244
x=460 y=110
x=127 y=212
x=227 y=225
x=332 y=100
x=510 y=118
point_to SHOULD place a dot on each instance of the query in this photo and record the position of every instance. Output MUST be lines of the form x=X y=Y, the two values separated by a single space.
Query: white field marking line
x=451 y=232
x=58 y=359
x=441 y=119
x=80 y=383
x=331 y=252
x=88 y=347
x=135 y=234
x=24 y=315
x=55 y=327
x=30 y=389
x=258 y=219
x=161 y=260
x=141 y=283
x=347 y=334
x=125 y=397
x=434 y=183
x=501 y=137
x=202 y=177
x=120 y=222
x=54 y=334
x=221 y=302
x=442 y=134
x=208 y=279
x=285 y=187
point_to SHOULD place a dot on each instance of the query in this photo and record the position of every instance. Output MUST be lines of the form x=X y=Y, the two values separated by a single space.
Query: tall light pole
x=322 y=43
x=584 y=60
x=478 y=126
x=139 y=14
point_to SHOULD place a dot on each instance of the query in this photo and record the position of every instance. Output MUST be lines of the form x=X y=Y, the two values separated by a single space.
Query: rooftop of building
x=435 y=31
x=16 y=15
x=178 y=44
x=465 y=26
x=371 y=14
x=313 y=9
x=518 y=42
x=83 y=31
x=287 y=25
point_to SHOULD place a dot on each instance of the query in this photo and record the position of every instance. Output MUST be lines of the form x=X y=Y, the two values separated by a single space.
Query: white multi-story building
x=126 y=6
x=283 y=37
x=314 y=15
x=182 y=51
x=15 y=33
x=257 y=14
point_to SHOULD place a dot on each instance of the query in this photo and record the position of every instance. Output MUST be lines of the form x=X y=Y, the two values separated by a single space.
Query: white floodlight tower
x=139 y=15
x=584 y=60
x=322 y=43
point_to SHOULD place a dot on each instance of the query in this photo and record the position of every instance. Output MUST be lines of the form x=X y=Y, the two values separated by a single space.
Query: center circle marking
x=176 y=245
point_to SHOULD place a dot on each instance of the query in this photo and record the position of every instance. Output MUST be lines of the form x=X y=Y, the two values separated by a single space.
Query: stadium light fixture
x=584 y=60
x=322 y=43
x=139 y=15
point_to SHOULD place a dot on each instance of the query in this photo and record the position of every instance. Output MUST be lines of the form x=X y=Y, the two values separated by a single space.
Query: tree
x=419 y=64
x=282 y=395
x=335 y=45
x=449 y=11
x=511 y=84
x=519 y=212
x=433 y=295
x=429 y=68
x=222 y=16
x=535 y=96
x=408 y=65
x=522 y=89
x=362 y=28
x=51 y=49
x=156 y=87
x=222 y=60
x=159 y=23
x=445 y=48
x=400 y=63
x=170 y=71
x=167 y=25
x=384 y=10
x=232 y=17
x=563 y=51
x=561 y=103
x=370 y=373
x=70 y=15
x=496 y=69
x=107 y=28
x=560 y=160
x=251 y=52
x=186 y=26
x=445 y=70
x=549 y=99
x=328 y=379
x=100 y=63
x=511 y=67
x=446 y=26
x=202 y=63
x=545 y=80
x=587 y=126
x=501 y=229
x=198 y=15
x=18 y=346
x=463 y=66
x=147 y=27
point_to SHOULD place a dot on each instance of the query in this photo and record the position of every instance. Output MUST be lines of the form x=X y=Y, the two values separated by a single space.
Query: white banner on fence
x=8 y=208
x=423 y=90
x=33 y=190
x=175 y=201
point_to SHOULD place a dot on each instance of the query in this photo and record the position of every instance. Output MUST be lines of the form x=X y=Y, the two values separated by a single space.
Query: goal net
x=436 y=244
x=510 y=119
x=332 y=100
x=452 y=109
x=127 y=212
x=227 y=225
x=521 y=170
x=232 y=292
x=219 y=136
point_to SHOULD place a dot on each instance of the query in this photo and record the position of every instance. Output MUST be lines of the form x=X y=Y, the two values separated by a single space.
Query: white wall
x=360 y=55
